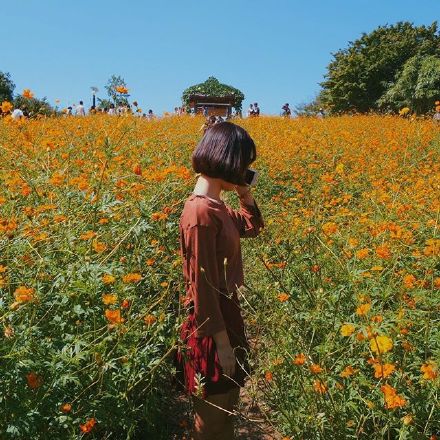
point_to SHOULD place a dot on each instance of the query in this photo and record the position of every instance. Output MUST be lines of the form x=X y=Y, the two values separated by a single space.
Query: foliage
x=212 y=87
x=6 y=87
x=309 y=108
x=33 y=106
x=359 y=75
x=104 y=103
x=342 y=286
x=417 y=86
x=114 y=82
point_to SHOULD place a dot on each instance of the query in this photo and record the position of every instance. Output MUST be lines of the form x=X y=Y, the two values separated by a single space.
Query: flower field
x=342 y=287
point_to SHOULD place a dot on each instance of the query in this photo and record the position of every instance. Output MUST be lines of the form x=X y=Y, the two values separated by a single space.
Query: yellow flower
x=383 y=370
x=363 y=309
x=109 y=299
x=381 y=344
x=132 y=278
x=6 y=107
x=347 y=329
x=429 y=370
x=108 y=279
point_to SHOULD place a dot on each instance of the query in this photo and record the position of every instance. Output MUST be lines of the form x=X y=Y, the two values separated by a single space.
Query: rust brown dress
x=210 y=234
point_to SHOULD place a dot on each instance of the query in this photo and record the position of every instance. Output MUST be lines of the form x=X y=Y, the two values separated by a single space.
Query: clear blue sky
x=275 y=51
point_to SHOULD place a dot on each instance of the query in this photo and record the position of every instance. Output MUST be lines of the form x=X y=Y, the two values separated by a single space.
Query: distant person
x=111 y=110
x=436 y=117
x=17 y=114
x=150 y=115
x=256 y=109
x=320 y=114
x=286 y=110
x=80 y=110
x=250 y=111
x=205 y=111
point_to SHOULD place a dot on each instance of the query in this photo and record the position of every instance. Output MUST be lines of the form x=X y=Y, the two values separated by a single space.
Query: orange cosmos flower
x=108 y=279
x=315 y=369
x=330 y=228
x=150 y=262
x=381 y=344
x=27 y=94
x=137 y=170
x=383 y=370
x=114 y=316
x=24 y=294
x=87 y=235
x=66 y=408
x=34 y=380
x=347 y=329
x=363 y=309
x=383 y=252
x=132 y=278
x=88 y=426
x=299 y=359
x=429 y=370
x=125 y=304
x=392 y=399
x=6 y=107
x=409 y=281
x=121 y=89
x=150 y=319
x=362 y=253
x=348 y=371
x=268 y=376
x=109 y=299
x=319 y=387
x=98 y=246
x=283 y=297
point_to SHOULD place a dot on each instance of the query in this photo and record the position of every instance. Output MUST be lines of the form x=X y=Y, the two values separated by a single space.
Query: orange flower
x=109 y=299
x=283 y=297
x=319 y=387
x=27 y=94
x=125 y=304
x=362 y=253
x=24 y=294
x=348 y=371
x=392 y=399
x=315 y=369
x=108 y=279
x=34 y=380
x=381 y=344
x=6 y=107
x=383 y=252
x=268 y=376
x=121 y=89
x=299 y=359
x=66 y=408
x=347 y=329
x=383 y=370
x=363 y=309
x=132 y=278
x=114 y=316
x=429 y=370
x=87 y=235
x=330 y=228
x=150 y=261
x=98 y=246
x=88 y=426
x=137 y=169
x=409 y=281
x=150 y=319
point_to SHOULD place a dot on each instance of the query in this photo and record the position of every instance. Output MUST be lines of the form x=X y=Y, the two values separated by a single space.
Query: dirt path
x=251 y=423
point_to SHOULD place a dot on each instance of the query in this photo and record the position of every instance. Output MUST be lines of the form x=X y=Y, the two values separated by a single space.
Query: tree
x=6 y=87
x=33 y=106
x=417 y=86
x=116 y=97
x=359 y=75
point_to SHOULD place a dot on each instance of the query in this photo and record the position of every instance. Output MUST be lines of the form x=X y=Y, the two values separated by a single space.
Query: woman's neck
x=208 y=186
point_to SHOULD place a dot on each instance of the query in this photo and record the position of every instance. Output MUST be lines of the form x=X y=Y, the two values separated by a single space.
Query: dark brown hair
x=225 y=152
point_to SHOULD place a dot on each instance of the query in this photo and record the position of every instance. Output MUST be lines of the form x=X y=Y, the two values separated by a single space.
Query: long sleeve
x=202 y=269
x=247 y=219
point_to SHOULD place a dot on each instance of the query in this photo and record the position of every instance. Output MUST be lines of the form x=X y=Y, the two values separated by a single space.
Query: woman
x=214 y=360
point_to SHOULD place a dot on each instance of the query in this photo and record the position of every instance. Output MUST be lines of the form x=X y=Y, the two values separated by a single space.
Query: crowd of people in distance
x=113 y=110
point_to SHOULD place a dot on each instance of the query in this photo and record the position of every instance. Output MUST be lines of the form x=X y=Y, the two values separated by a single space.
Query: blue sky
x=274 y=51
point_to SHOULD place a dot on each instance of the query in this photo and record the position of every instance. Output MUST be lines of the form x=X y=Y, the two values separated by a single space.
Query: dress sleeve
x=247 y=219
x=204 y=279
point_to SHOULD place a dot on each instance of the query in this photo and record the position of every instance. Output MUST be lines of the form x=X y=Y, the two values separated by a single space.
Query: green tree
x=417 y=86
x=6 y=87
x=114 y=96
x=33 y=106
x=359 y=75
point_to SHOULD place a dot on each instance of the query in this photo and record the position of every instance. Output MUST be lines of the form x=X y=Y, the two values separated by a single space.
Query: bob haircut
x=225 y=152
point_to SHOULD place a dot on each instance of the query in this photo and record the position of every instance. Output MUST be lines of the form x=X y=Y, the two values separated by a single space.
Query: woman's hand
x=227 y=360
x=243 y=190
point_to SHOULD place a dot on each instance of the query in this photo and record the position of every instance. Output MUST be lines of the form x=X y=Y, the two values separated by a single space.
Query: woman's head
x=225 y=152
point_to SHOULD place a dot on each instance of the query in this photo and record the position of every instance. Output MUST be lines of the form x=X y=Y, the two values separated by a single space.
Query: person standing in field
x=214 y=360
x=80 y=110
x=256 y=109
x=250 y=111
x=286 y=110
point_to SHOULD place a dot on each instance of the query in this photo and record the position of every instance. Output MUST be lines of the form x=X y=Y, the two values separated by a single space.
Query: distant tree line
x=387 y=69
